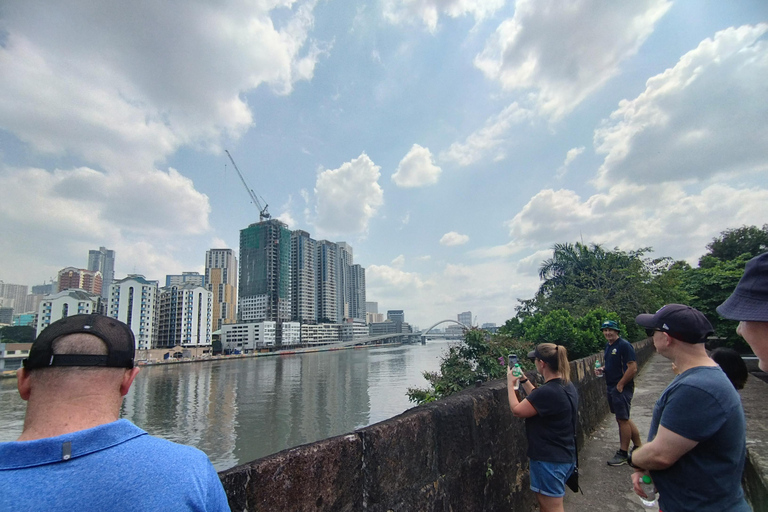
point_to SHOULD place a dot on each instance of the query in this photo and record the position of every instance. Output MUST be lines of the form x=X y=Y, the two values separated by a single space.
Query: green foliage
x=17 y=334
x=580 y=278
x=746 y=241
x=709 y=286
x=475 y=359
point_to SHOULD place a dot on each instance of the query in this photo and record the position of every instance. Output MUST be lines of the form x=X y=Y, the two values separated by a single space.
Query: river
x=240 y=410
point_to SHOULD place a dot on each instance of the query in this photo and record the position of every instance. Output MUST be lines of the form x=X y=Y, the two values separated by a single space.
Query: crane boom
x=263 y=214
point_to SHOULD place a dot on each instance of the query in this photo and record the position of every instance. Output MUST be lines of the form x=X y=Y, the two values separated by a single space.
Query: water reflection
x=237 y=411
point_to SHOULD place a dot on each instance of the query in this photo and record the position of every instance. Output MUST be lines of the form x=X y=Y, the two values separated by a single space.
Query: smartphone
x=512 y=358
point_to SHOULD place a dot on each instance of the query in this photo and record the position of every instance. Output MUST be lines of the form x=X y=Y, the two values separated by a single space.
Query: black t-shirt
x=550 y=433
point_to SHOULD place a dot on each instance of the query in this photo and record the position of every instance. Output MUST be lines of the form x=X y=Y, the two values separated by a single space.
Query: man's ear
x=128 y=377
x=22 y=383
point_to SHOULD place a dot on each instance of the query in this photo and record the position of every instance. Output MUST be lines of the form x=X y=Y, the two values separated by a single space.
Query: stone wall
x=464 y=453
x=755 y=481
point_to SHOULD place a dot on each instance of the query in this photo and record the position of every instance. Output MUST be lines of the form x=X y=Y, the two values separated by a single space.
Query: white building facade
x=63 y=304
x=133 y=300
x=185 y=316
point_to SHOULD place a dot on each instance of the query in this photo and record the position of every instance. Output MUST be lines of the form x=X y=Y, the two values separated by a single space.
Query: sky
x=451 y=143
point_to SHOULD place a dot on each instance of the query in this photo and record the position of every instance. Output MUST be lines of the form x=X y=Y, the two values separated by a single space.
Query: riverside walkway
x=606 y=488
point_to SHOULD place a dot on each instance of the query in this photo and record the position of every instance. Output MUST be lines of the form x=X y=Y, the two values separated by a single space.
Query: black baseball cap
x=680 y=321
x=117 y=336
x=749 y=301
x=535 y=354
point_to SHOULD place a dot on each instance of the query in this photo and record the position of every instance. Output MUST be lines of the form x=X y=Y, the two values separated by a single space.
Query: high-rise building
x=63 y=304
x=13 y=296
x=325 y=275
x=396 y=315
x=465 y=318
x=221 y=280
x=303 y=281
x=356 y=288
x=344 y=260
x=371 y=307
x=103 y=260
x=185 y=278
x=184 y=316
x=72 y=278
x=133 y=300
x=265 y=272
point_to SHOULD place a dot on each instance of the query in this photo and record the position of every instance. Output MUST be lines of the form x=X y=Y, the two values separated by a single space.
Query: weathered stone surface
x=755 y=482
x=464 y=453
x=322 y=476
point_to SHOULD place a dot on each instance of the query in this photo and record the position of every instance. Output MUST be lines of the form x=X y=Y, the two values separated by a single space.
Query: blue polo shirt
x=116 y=466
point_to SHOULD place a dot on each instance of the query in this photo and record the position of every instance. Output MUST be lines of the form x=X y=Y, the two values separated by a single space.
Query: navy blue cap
x=680 y=321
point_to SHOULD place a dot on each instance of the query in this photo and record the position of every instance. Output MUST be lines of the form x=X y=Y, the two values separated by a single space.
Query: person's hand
x=620 y=387
x=636 y=476
x=511 y=379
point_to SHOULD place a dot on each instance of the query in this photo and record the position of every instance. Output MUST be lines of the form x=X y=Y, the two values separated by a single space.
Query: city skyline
x=452 y=144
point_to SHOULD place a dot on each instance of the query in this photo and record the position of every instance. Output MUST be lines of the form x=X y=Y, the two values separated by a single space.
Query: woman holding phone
x=550 y=413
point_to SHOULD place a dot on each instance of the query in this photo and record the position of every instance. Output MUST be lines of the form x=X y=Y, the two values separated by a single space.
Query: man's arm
x=628 y=375
x=661 y=453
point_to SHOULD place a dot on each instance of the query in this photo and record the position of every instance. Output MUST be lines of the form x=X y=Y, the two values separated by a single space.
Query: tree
x=747 y=241
x=480 y=357
x=708 y=287
x=580 y=278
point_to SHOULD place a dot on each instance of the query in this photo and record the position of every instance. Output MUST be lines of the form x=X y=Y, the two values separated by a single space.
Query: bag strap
x=574 y=416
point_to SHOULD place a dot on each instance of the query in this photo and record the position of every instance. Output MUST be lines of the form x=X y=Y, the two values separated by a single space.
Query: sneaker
x=618 y=460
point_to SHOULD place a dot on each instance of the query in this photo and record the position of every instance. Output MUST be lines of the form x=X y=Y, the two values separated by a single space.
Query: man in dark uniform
x=620 y=371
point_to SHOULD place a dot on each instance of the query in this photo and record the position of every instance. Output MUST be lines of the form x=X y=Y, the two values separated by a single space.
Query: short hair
x=732 y=364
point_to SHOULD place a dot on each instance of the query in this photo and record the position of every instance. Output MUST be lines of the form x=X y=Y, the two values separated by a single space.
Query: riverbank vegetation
x=584 y=284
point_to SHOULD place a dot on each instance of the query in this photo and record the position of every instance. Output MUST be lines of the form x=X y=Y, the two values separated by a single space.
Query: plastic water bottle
x=598 y=368
x=517 y=372
x=648 y=488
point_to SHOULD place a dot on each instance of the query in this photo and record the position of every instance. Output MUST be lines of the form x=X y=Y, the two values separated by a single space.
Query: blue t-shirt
x=702 y=405
x=116 y=467
x=616 y=356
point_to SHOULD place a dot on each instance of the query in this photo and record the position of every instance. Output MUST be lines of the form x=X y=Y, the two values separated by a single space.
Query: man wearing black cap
x=74 y=444
x=619 y=371
x=697 y=441
x=749 y=305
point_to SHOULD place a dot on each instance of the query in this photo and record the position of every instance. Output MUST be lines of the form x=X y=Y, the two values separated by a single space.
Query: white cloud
x=572 y=154
x=428 y=11
x=488 y=138
x=453 y=238
x=398 y=262
x=702 y=118
x=348 y=197
x=416 y=169
x=53 y=218
x=124 y=102
x=561 y=54
x=664 y=217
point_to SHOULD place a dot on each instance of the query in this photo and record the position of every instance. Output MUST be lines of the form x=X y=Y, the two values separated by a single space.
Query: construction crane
x=263 y=214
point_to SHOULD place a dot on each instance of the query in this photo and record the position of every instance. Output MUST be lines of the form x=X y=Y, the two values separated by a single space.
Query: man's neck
x=44 y=422
x=686 y=360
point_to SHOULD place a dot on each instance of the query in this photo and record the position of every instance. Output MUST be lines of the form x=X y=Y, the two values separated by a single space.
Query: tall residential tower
x=265 y=272
x=221 y=280
x=103 y=260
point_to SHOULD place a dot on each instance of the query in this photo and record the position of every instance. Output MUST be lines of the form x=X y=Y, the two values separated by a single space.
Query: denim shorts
x=548 y=478
x=619 y=403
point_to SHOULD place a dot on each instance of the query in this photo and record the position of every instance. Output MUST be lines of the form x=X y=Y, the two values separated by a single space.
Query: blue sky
x=450 y=142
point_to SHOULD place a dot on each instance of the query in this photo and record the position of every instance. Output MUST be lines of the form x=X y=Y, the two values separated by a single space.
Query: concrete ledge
x=755 y=481
x=466 y=452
